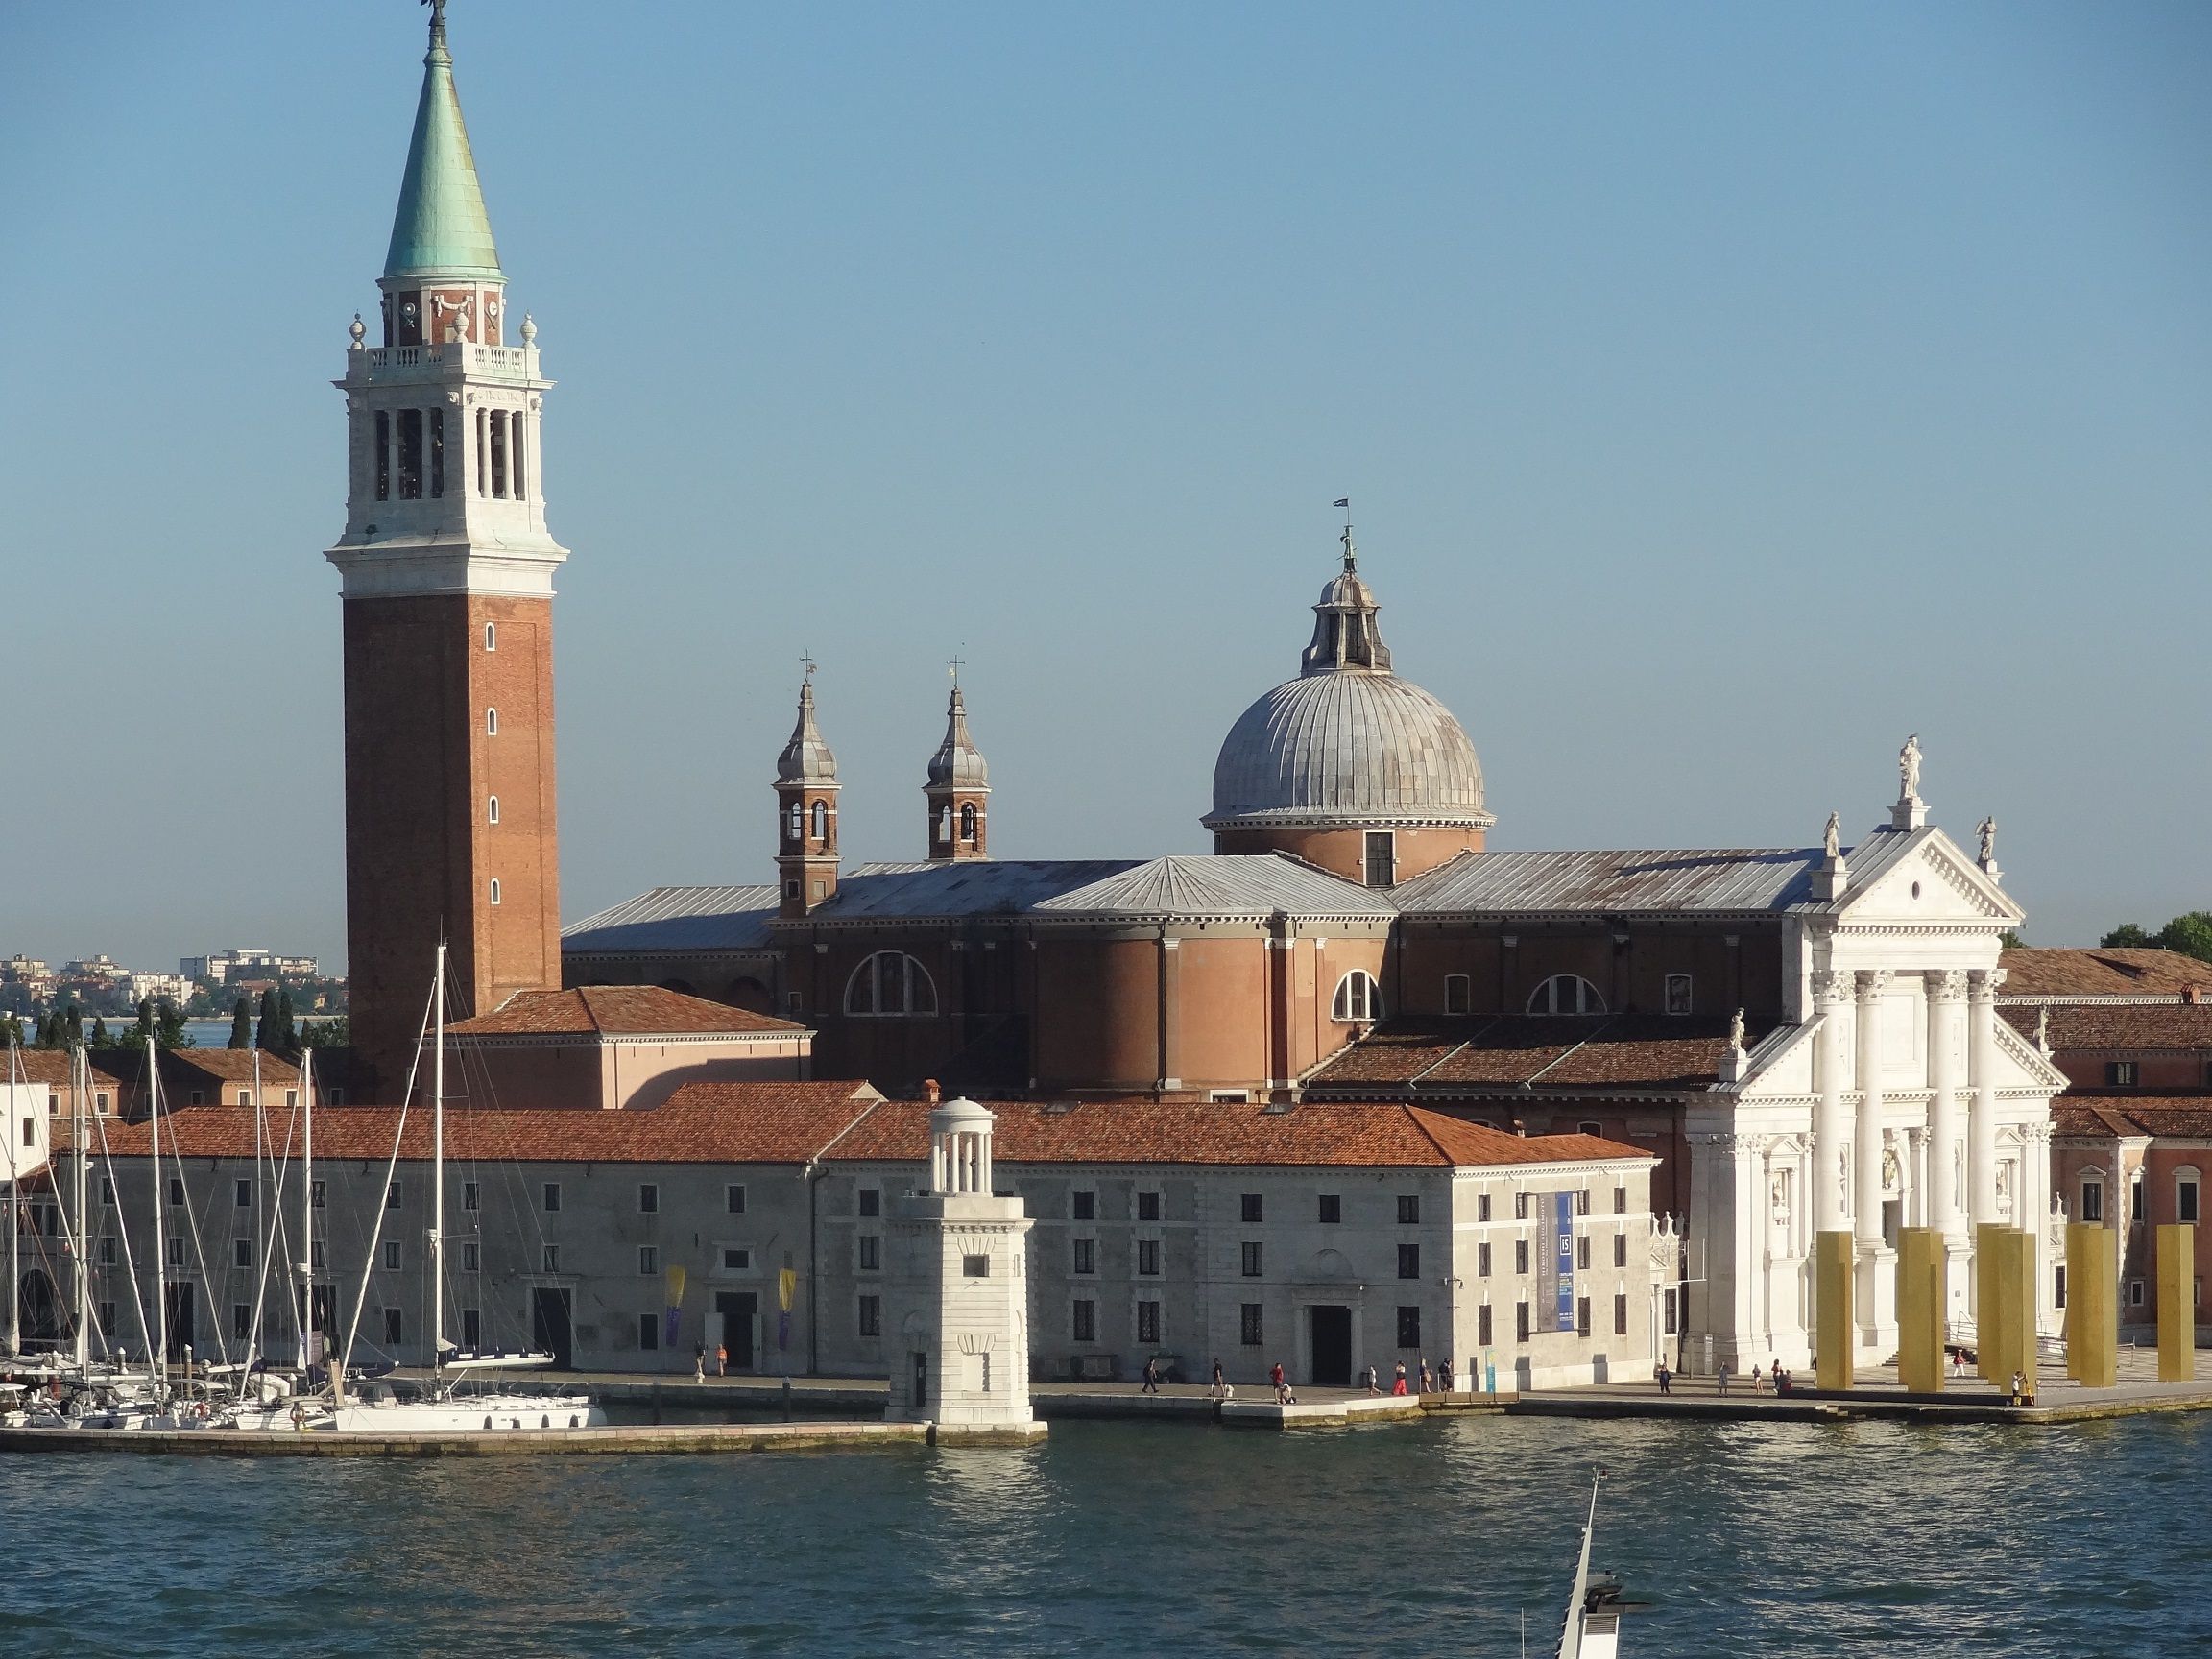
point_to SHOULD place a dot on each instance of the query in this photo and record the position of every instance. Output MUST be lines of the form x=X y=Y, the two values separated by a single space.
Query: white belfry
x=957 y=1322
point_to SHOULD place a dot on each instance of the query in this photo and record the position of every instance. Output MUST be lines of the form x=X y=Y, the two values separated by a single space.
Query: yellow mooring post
x=1989 y=1303
x=1831 y=1332
x=2092 y=1304
x=2177 y=1302
x=1920 y=1310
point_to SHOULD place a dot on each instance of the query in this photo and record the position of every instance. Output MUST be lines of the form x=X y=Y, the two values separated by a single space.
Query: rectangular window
x=2135 y=1201
x=471 y=1256
x=2185 y=1202
x=176 y=1190
x=552 y=1196
x=1668 y=1308
x=736 y=1259
x=975 y=1266
x=648 y=1331
x=1409 y=1327
x=1085 y=1321
x=391 y=1255
x=1408 y=1210
x=1519 y=1206
x=1620 y=1315
x=1251 y=1327
x=383 y=455
x=1583 y=1198
x=871 y=1200
x=1331 y=1208
x=391 y=1196
x=106 y=1250
x=2092 y=1200
x=108 y=1191
x=241 y=1252
x=437 y=453
x=1458 y=993
x=1147 y=1206
x=2058 y=1285
x=549 y=1257
x=1382 y=849
x=242 y=1193
x=2134 y=1292
x=499 y=453
x=1148 y=1323
x=317 y=1257
x=1619 y=1200
x=393 y=1329
x=1481 y=1206
x=734 y=1200
x=1086 y=1256
x=2120 y=1073
x=1148 y=1257
x=1482 y=1261
x=107 y=1316
x=1249 y=1205
x=1520 y=1321
x=1582 y=1317
x=1482 y=1326
x=473 y=1329
x=410 y=454
x=1620 y=1249
x=648 y=1260
x=871 y=1316
x=1083 y=1206
x=1582 y=1254
x=241 y=1321
x=1520 y=1257
x=870 y=1252
x=648 y=1197
x=1678 y=993
x=1250 y=1260
x=1408 y=1260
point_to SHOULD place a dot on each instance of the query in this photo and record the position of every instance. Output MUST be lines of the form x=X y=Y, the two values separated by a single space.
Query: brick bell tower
x=446 y=575
x=958 y=790
x=805 y=813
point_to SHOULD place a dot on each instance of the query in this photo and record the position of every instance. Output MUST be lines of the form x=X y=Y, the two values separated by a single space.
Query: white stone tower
x=960 y=1292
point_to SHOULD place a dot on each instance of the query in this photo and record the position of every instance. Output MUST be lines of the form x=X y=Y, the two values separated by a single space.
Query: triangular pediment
x=1926 y=880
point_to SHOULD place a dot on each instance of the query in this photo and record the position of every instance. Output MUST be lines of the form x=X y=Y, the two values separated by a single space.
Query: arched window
x=821 y=820
x=1565 y=993
x=945 y=826
x=1357 y=996
x=1458 y=993
x=968 y=823
x=491 y=722
x=491 y=636
x=888 y=985
x=491 y=810
x=495 y=889
x=796 y=825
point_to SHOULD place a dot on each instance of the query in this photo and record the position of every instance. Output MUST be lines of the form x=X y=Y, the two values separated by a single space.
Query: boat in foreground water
x=1594 y=1607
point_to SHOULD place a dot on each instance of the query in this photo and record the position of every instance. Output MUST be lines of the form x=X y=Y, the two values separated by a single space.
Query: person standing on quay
x=1221 y=1382
x=1152 y=1376
x=1397 y=1380
x=699 y=1364
x=721 y=1360
x=1427 y=1377
x=1723 y=1373
x=1666 y=1379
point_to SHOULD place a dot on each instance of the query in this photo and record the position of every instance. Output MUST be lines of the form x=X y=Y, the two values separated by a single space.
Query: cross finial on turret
x=437 y=21
x=806 y=662
x=953 y=668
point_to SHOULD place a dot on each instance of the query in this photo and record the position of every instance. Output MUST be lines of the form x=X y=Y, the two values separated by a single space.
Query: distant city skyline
x=1722 y=394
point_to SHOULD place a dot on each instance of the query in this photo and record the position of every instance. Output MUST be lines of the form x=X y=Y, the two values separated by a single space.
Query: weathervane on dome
x=1351 y=553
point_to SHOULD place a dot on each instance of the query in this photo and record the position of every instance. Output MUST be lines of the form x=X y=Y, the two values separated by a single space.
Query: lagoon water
x=1130 y=1539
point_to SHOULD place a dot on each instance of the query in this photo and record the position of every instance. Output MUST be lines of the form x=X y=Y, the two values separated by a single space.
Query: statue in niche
x=1892 y=1171
x=2005 y=1188
x=1832 y=837
x=1909 y=768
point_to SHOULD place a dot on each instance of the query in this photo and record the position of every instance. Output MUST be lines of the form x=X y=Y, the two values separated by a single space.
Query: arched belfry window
x=945 y=826
x=968 y=823
x=1565 y=993
x=796 y=825
x=890 y=985
x=1358 y=997
x=821 y=820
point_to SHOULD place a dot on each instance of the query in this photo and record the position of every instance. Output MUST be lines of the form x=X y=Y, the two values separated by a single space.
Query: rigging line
x=269 y=1245
x=199 y=1253
x=123 y=1232
x=391 y=1171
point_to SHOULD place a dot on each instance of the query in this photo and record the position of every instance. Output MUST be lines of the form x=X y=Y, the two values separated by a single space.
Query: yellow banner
x=786 y=1285
x=675 y=1286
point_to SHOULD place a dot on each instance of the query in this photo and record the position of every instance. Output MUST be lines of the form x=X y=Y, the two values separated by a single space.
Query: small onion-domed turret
x=958 y=789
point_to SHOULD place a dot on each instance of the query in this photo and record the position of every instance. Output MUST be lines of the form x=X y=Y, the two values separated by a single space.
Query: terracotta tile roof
x=1356 y=1133
x=2117 y=1025
x=2185 y=1118
x=615 y=1011
x=1481 y=1052
x=48 y=1066
x=2040 y=971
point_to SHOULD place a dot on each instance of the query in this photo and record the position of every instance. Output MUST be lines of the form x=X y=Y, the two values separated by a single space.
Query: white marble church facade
x=1895 y=1098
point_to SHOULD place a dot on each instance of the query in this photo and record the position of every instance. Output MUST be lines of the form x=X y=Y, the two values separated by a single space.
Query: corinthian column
x=1981 y=1121
x=1867 y=1140
x=1831 y=992
x=1945 y=1214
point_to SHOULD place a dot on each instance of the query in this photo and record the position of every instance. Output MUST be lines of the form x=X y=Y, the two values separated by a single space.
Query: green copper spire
x=441 y=227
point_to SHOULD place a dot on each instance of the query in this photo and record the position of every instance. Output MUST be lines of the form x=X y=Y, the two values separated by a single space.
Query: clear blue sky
x=1724 y=391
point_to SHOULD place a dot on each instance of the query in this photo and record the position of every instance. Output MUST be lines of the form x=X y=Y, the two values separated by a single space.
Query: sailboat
x=442 y=1407
x=1592 y=1629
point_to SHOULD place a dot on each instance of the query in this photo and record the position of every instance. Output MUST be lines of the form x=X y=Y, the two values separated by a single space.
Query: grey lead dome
x=1348 y=741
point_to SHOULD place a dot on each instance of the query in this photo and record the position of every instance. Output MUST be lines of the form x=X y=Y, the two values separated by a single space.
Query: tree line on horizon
x=274 y=1030
x=2188 y=935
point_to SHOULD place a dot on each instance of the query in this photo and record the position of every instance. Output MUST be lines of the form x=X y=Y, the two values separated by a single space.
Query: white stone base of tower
x=957 y=1326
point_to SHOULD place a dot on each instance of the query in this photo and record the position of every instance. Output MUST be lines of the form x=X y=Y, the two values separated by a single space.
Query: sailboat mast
x=15 y=1205
x=438 y=1174
x=307 y=1318
x=81 y=1081
x=157 y=1361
